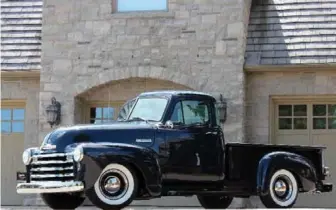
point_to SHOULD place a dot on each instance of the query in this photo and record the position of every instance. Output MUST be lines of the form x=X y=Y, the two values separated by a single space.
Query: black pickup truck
x=167 y=143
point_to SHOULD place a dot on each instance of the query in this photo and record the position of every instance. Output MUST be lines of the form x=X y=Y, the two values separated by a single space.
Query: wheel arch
x=142 y=160
x=302 y=169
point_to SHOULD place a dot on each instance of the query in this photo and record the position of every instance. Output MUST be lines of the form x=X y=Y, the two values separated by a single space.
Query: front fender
x=144 y=160
x=300 y=166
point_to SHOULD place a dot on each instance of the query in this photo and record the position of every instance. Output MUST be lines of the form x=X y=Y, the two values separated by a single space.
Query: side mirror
x=169 y=124
x=222 y=109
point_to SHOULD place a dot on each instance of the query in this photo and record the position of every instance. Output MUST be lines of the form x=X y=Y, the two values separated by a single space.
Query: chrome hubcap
x=112 y=184
x=283 y=188
x=280 y=188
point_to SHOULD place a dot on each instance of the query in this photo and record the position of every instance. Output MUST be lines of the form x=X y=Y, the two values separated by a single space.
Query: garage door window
x=292 y=117
x=12 y=120
x=99 y=115
x=324 y=116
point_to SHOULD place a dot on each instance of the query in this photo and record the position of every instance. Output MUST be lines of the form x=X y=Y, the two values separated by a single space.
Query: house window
x=292 y=117
x=12 y=120
x=99 y=115
x=324 y=116
x=136 y=5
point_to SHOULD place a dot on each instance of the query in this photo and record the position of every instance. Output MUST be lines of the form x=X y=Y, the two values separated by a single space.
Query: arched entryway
x=102 y=103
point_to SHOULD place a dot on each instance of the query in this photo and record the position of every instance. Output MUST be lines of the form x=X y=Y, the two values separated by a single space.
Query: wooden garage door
x=12 y=145
x=309 y=123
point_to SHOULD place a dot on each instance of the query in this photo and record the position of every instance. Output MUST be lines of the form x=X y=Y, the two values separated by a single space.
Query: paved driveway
x=166 y=203
x=162 y=203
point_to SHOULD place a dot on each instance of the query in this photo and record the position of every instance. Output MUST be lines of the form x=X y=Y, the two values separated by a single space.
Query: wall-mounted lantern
x=54 y=112
x=222 y=109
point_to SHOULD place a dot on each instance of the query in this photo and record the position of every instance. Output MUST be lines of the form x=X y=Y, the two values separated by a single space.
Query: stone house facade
x=266 y=57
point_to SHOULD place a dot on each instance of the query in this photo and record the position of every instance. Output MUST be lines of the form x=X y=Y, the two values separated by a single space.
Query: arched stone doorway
x=102 y=103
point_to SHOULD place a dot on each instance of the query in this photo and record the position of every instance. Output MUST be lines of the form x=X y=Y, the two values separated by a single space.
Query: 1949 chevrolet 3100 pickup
x=167 y=143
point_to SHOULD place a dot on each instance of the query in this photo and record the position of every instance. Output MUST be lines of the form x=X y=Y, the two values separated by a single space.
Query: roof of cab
x=175 y=92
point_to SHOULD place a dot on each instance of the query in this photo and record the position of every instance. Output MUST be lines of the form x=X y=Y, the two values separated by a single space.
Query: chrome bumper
x=49 y=187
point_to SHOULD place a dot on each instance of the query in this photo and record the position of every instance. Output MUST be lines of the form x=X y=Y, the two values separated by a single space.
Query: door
x=310 y=122
x=193 y=155
x=12 y=146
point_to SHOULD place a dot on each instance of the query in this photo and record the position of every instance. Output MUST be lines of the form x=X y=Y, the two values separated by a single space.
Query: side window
x=195 y=112
x=177 y=116
x=190 y=112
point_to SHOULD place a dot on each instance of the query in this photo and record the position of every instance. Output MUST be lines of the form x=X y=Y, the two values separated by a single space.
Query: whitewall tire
x=282 y=191
x=115 y=188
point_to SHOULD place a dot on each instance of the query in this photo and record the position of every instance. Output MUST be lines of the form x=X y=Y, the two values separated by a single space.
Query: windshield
x=149 y=109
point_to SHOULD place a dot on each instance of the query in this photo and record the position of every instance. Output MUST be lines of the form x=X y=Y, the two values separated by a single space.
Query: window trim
x=115 y=10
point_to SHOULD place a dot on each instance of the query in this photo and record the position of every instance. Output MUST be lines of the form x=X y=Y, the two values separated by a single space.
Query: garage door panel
x=325 y=200
x=12 y=145
x=11 y=152
x=320 y=130
x=329 y=141
x=294 y=139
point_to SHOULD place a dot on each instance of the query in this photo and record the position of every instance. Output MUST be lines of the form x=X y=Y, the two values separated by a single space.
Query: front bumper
x=49 y=187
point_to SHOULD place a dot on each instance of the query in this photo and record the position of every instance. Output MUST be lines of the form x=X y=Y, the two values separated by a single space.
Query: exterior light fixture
x=54 y=112
x=222 y=109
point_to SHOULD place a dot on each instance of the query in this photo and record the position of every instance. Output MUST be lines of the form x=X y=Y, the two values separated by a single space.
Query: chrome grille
x=52 y=167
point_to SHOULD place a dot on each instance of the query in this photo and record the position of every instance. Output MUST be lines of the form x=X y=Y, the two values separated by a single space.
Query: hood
x=65 y=139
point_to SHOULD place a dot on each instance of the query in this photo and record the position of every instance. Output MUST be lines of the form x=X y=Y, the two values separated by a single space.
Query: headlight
x=78 y=154
x=27 y=156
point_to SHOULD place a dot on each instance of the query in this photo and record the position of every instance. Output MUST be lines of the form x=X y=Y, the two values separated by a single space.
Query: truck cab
x=167 y=143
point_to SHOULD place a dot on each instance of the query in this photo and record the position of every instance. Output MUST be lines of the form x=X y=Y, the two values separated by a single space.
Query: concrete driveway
x=167 y=203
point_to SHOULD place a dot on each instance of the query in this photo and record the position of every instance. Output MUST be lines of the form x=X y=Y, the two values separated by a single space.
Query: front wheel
x=282 y=191
x=214 y=202
x=62 y=200
x=115 y=188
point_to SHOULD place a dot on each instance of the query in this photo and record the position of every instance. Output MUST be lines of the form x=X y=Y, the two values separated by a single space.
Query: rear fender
x=300 y=166
x=144 y=160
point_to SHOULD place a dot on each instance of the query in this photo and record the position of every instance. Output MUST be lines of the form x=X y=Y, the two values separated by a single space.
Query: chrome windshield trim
x=49 y=187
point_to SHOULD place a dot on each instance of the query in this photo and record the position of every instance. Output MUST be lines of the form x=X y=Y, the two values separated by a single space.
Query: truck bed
x=242 y=159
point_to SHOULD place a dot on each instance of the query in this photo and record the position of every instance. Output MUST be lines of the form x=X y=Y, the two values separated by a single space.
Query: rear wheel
x=115 y=188
x=282 y=191
x=62 y=200
x=214 y=202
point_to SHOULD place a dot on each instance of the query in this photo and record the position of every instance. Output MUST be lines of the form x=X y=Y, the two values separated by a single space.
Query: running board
x=234 y=192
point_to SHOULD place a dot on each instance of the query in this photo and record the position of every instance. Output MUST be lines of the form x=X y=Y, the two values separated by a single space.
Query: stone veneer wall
x=199 y=44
